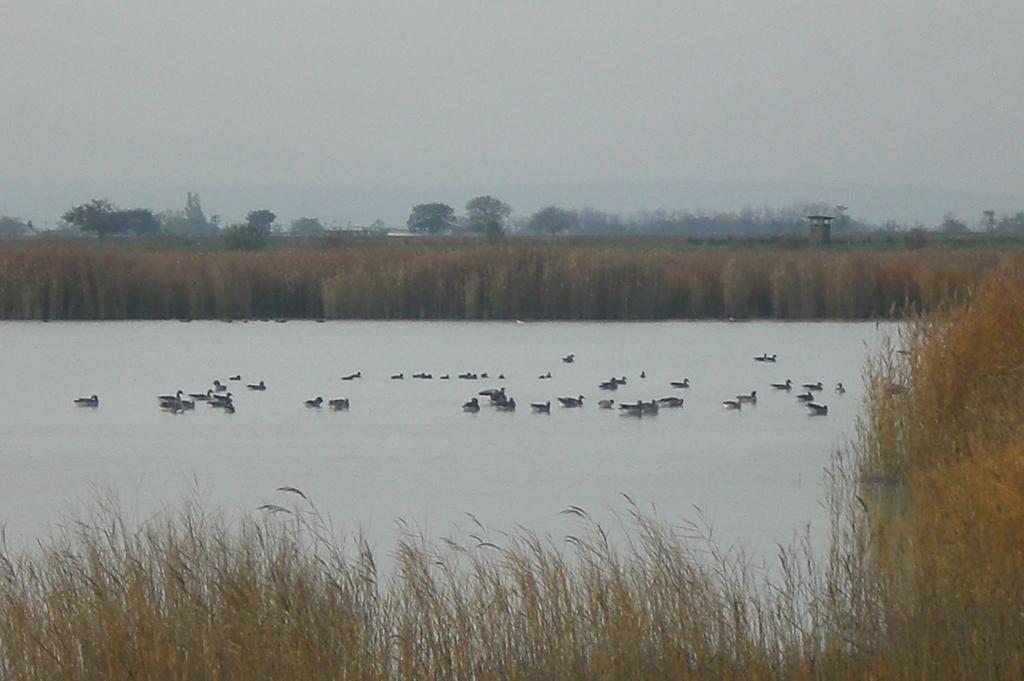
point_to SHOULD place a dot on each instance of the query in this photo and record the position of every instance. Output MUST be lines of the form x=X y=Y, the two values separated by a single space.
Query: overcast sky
x=458 y=92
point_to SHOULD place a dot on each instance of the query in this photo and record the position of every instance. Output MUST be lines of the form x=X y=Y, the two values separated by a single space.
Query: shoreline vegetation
x=536 y=279
x=922 y=578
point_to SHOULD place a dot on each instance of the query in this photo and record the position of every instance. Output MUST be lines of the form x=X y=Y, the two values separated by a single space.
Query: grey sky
x=459 y=92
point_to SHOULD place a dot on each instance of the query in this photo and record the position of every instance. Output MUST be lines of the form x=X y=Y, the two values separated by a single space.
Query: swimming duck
x=571 y=401
x=506 y=405
x=541 y=408
x=671 y=401
x=685 y=383
x=732 y=404
x=543 y=376
x=788 y=385
x=569 y=359
x=609 y=385
x=91 y=401
x=257 y=386
x=202 y=397
x=805 y=397
x=339 y=404
x=170 y=399
x=748 y=399
x=472 y=406
x=605 y=404
x=314 y=403
x=397 y=377
x=444 y=378
x=812 y=386
x=817 y=409
x=352 y=377
x=236 y=377
x=219 y=387
x=839 y=388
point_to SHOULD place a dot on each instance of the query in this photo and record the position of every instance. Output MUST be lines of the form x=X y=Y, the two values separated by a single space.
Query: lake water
x=405 y=448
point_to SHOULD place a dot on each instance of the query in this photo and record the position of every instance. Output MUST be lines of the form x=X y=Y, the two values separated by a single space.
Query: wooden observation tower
x=820 y=229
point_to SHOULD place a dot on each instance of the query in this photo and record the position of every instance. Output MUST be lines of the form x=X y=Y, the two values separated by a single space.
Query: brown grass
x=470 y=281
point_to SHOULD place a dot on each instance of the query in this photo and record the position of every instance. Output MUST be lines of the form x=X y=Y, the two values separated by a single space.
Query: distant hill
x=44 y=201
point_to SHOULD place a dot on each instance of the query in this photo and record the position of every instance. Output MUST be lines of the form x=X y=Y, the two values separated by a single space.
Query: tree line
x=490 y=218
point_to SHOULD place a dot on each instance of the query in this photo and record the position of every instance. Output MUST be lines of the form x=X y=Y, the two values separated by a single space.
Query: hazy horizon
x=452 y=93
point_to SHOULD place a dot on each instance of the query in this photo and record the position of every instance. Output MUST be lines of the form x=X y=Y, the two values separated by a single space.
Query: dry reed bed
x=513 y=281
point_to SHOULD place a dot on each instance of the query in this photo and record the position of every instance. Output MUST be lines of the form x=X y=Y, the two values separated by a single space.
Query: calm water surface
x=406 y=449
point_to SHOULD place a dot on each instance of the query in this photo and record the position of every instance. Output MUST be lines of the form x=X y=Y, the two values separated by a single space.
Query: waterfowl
x=732 y=404
x=541 y=408
x=769 y=359
x=221 y=400
x=444 y=378
x=788 y=385
x=569 y=359
x=671 y=401
x=219 y=387
x=812 y=386
x=839 y=388
x=236 y=377
x=805 y=397
x=501 y=377
x=609 y=385
x=397 y=377
x=685 y=383
x=229 y=408
x=339 y=404
x=187 y=404
x=490 y=392
x=257 y=386
x=314 y=403
x=202 y=397
x=472 y=406
x=352 y=377
x=643 y=374
x=506 y=405
x=632 y=409
x=170 y=399
x=423 y=375
x=483 y=374
x=543 y=376
x=469 y=376
x=619 y=381
x=747 y=399
x=571 y=401
x=649 y=407
x=817 y=409
x=91 y=401
x=605 y=404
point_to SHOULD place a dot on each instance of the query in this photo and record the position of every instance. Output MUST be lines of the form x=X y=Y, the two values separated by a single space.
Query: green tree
x=191 y=221
x=306 y=227
x=431 y=218
x=486 y=211
x=262 y=219
x=140 y=221
x=95 y=216
x=552 y=220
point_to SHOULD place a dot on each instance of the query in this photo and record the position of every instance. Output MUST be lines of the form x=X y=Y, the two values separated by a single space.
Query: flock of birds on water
x=219 y=395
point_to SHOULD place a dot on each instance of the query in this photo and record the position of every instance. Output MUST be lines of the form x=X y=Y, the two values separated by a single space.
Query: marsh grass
x=518 y=280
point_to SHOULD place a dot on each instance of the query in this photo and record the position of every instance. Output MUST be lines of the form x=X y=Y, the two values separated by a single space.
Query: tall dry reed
x=472 y=281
